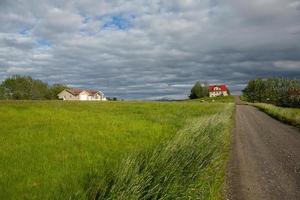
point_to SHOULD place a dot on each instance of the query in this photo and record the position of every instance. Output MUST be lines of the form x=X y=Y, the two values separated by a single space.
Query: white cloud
x=288 y=65
x=139 y=48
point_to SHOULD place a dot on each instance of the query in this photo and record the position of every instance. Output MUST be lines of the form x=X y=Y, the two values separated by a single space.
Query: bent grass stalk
x=190 y=166
x=90 y=150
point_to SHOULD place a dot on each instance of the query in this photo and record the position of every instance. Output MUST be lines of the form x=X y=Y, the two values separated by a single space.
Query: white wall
x=64 y=95
x=83 y=96
x=218 y=93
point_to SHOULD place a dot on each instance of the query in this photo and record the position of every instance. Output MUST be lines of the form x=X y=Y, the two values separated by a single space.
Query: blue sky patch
x=43 y=43
x=86 y=19
x=118 y=22
x=24 y=31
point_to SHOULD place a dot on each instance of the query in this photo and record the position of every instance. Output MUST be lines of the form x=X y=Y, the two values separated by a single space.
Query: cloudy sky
x=149 y=48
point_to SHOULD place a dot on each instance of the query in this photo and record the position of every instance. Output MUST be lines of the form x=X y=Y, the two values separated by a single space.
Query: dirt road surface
x=265 y=158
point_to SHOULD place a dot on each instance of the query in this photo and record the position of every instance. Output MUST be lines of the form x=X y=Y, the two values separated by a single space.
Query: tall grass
x=189 y=166
x=287 y=115
x=53 y=149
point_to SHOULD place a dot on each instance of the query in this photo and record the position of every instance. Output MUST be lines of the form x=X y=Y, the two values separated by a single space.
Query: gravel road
x=265 y=158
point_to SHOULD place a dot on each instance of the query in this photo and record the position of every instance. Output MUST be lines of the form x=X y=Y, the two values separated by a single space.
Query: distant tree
x=277 y=91
x=196 y=91
x=2 y=93
x=260 y=89
x=205 y=89
x=39 y=90
x=248 y=92
x=21 y=87
x=26 y=88
x=228 y=92
x=199 y=91
x=55 y=89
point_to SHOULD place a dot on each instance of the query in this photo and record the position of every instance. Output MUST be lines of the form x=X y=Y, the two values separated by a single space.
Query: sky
x=149 y=49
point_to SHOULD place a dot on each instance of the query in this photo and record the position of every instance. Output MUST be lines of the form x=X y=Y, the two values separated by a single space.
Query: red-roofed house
x=218 y=90
x=81 y=95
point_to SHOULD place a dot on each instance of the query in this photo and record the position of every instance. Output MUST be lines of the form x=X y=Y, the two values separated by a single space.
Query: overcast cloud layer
x=149 y=48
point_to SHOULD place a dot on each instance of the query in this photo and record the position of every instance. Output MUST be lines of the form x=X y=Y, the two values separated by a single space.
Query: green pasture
x=90 y=150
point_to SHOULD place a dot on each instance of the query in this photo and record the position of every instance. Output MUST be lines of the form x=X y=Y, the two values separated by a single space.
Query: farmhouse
x=218 y=90
x=81 y=95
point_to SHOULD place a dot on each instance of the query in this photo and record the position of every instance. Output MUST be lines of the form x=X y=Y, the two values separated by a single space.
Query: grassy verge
x=287 y=115
x=189 y=166
x=86 y=150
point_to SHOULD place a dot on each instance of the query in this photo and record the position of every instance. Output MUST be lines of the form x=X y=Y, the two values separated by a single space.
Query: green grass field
x=287 y=115
x=113 y=150
x=226 y=99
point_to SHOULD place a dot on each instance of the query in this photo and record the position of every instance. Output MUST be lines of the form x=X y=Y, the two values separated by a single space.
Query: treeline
x=26 y=88
x=278 y=91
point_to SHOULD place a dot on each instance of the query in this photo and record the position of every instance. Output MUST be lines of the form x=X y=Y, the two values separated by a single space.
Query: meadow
x=224 y=99
x=287 y=115
x=113 y=150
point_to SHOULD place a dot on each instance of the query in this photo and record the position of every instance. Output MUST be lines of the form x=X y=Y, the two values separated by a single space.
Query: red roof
x=218 y=88
x=77 y=91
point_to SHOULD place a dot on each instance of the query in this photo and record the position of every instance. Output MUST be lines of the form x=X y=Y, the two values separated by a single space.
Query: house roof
x=77 y=91
x=222 y=87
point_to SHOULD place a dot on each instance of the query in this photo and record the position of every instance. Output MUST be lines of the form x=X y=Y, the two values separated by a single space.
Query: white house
x=81 y=95
x=218 y=90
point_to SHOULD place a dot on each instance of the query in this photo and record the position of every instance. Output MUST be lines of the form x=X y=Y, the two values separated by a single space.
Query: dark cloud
x=149 y=49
